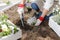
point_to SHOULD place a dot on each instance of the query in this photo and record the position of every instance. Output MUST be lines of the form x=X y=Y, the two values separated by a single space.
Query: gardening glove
x=39 y=20
x=20 y=9
x=31 y=20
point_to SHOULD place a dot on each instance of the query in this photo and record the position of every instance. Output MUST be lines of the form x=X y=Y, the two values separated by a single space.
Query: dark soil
x=43 y=32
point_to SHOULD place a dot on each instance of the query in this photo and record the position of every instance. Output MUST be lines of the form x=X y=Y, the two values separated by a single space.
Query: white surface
x=3 y=4
x=54 y=26
x=59 y=2
x=13 y=36
x=2 y=8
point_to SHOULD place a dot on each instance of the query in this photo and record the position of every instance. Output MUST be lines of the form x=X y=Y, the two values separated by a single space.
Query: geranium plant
x=6 y=28
x=56 y=10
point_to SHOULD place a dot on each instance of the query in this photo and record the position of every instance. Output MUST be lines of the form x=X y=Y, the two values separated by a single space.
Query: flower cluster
x=6 y=28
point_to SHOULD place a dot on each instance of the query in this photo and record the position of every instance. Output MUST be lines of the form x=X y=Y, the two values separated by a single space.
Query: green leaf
x=3 y=17
x=57 y=18
x=8 y=2
x=1 y=34
x=15 y=30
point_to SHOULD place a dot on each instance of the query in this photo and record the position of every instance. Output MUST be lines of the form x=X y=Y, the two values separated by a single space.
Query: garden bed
x=32 y=34
x=55 y=24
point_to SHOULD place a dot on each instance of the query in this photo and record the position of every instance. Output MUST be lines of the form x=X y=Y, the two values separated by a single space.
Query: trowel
x=22 y=19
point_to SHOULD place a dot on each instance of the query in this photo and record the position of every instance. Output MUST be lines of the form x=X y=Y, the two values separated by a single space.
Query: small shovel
x=22 y=19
